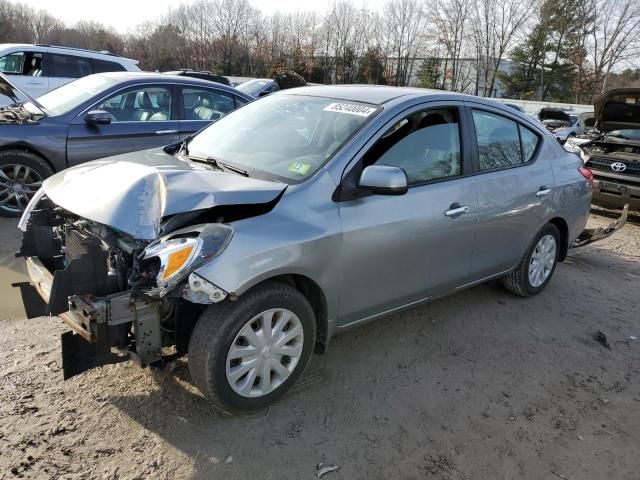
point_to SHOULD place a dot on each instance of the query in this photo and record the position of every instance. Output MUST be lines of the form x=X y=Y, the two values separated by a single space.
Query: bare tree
x=615 y=38
x=451 y=18
x=406 y=23
x=495 y=26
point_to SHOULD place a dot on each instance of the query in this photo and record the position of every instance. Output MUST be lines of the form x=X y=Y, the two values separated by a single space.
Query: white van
x=37 y=69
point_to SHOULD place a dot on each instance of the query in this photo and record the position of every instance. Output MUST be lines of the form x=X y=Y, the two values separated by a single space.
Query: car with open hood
x=611 y=150
x=560 y=122
x=98 y=116
x=259 y=87
x=251 y=244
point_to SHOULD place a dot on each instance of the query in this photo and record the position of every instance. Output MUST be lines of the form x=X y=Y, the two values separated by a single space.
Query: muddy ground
x=479 y=385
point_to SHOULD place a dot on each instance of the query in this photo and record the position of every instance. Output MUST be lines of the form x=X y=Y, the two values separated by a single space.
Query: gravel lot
x=479 y=385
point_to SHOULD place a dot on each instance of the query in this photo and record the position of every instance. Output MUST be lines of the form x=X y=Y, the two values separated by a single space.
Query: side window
x=68 y=66
x=529 y=142
x=22 y=63
x=425 y=145
x=498 y=141
x=206 y=104
x=150 y=104
x=101 y=66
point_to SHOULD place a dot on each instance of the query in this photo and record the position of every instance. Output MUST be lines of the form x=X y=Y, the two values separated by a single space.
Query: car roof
x=82 y=52
x=123 y=77
x=375 y=94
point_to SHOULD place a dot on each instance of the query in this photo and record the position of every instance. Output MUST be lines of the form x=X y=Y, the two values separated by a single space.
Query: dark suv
x=98 y=116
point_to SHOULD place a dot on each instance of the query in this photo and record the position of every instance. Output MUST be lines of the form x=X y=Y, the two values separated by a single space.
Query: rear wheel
x=21 y=175
x=538 y=264
x=244 y=355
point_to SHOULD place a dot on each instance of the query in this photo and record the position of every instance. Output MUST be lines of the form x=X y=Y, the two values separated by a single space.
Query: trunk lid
x=133 y=192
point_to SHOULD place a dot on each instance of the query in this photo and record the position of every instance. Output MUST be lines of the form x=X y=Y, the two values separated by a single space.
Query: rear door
x=25 y=70
x=142 y=117
x=201 y=106
x=515 y=188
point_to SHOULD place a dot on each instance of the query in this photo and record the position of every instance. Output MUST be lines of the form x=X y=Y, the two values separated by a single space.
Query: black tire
x=217 y=328
x=32 y=166
x=517 y=282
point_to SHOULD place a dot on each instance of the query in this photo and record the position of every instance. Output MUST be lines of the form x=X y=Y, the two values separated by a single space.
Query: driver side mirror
x=384 y=180
x=97 y=117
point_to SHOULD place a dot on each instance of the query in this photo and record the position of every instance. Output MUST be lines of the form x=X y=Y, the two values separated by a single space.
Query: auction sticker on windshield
x=299 y=167
x=350 y=108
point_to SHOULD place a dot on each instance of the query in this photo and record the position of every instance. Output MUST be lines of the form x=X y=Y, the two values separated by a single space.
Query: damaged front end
x=121 y=296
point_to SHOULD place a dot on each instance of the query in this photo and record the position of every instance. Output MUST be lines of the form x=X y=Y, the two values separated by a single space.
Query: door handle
x=543 y=192
x=454 y=212
x=35 y=82
x=166 y=132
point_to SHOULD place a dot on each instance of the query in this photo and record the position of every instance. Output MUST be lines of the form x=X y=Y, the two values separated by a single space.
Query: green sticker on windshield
x=299 y=167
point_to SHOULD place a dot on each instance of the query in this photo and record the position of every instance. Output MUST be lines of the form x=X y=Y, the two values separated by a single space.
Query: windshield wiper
x=233 y=169
x=218 y=164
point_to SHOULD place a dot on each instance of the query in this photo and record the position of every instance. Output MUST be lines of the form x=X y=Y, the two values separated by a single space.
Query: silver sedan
x=307 y=212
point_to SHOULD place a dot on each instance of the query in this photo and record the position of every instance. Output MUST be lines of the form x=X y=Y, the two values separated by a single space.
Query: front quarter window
x=282 y=137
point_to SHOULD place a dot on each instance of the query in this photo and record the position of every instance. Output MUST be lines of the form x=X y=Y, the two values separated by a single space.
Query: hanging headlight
x=174 y=257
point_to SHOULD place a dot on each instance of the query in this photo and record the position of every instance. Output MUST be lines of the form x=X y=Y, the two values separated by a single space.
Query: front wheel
x=244 y=355
x=537 y=265
x=21 y=175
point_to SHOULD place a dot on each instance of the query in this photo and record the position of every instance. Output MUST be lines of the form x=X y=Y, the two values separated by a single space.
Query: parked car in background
x=38 y=69
x=219 y=245
x=612 y=149
x=203 y=75
x=98 y=116
x=259 y=87
x=562 y=123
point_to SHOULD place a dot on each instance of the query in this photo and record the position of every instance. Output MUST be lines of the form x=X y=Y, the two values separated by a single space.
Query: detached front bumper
x=105 y=330
x=615 y=193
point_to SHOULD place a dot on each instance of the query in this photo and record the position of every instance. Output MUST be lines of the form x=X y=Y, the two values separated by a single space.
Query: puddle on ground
x=10 y=300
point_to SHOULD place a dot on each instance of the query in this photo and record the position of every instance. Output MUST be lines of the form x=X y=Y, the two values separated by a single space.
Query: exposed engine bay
x=117 y=292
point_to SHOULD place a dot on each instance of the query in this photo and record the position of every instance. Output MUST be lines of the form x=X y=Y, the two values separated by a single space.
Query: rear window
x=502 y=142
x=102 y=66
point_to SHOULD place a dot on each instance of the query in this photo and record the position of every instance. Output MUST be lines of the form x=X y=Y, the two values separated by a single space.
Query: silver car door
x=399 y=250
x=515 y=189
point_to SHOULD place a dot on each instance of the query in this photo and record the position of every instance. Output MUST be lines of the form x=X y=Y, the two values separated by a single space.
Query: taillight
x=586 y=173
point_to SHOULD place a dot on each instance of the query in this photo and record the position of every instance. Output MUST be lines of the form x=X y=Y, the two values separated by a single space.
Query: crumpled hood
x=133 y=192
x=618 y=109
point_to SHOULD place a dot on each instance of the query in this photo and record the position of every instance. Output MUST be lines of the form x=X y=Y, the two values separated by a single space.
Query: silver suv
x=38 y=69
x=299 y=215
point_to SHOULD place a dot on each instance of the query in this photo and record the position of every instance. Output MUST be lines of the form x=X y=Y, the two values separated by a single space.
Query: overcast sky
x=125 y=14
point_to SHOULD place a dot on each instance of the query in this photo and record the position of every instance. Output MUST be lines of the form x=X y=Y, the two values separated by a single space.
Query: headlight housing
x=26 y=215
x=175 y=256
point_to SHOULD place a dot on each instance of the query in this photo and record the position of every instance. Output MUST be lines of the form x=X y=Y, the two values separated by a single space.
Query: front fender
x=302 y=235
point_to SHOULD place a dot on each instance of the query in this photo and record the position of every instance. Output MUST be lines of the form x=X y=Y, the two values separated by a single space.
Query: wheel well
x=315 y=296
x=26 y=148
x=564 y=233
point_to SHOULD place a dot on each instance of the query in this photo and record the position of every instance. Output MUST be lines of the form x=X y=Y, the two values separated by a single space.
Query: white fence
x=533 y=107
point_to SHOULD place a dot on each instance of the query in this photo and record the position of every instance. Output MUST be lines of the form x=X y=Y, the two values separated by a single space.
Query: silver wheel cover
x=18 y=183
x=264 y=353
x=542 y=260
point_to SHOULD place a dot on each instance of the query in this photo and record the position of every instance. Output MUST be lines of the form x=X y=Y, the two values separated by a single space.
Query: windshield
x=282 y=137
x=69 y=96
x=253 y=87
